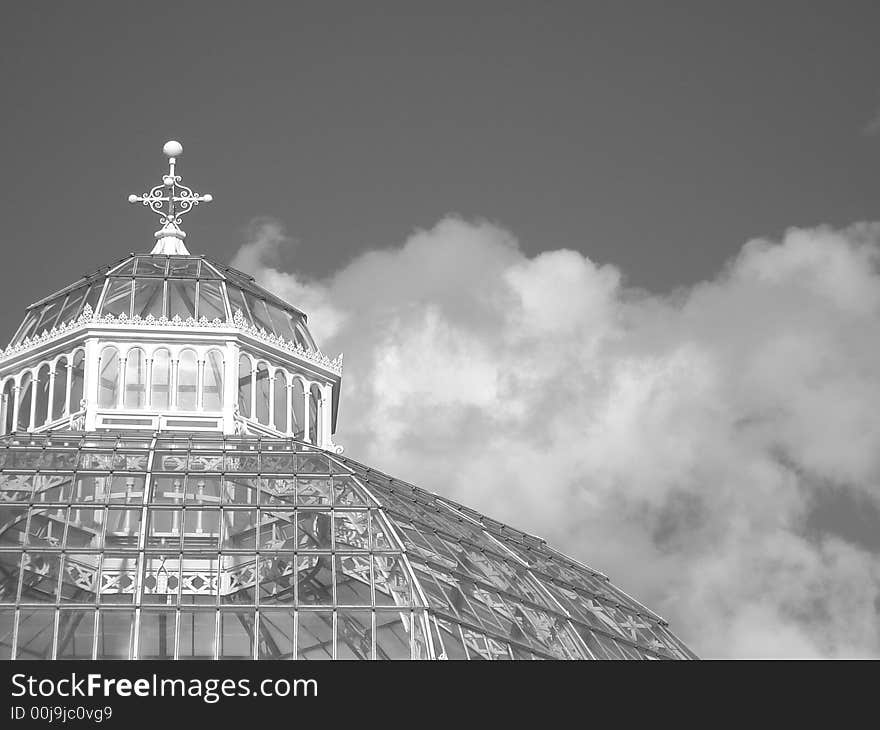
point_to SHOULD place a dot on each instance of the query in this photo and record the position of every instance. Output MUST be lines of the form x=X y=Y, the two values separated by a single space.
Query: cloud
x=873 y=126
x=678 y=443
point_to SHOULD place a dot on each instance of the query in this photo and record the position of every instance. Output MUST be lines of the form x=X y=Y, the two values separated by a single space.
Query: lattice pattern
x=207 y=547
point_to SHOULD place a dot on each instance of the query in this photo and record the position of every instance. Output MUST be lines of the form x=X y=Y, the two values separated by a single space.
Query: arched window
x=187 y=380
x=135 y=378
x=59 y=395
x=41 y=415
x=77 y=381
x=280 y=401
x=244 y=386
x=212 y=387
x=315 y=398
x=297 y=409
x=8 y=406
x=263 y=404
x=160 y=386
x=25 y=393
x=108 y=381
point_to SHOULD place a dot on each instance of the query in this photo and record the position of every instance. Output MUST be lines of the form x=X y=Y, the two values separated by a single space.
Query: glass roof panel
x=151 y=265
x=183 y=267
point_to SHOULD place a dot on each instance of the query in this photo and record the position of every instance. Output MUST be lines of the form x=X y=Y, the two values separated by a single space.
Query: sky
x=603 y=270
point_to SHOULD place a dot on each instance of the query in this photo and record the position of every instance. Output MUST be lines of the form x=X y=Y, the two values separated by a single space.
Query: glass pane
x=114 y=634
x=161 y=385
x=187 y=380
x=135 y=379
x=35 y=634
x=281 y=322
x=197 y=634
x=48 y=315
x=211 y=300
x=237 y=302
x=314 y=578
x=297 y=409
x=244 y=386
x=263 y=393
x=148 y=296
x=7 y=625
x=280 y=401
x=181 y=298
x=276 y=635
x=236 y=635
x=108 y=383
x=151 y=265
x=259 y=312
x=117 y=300
x=77 y=382
x=27 y=329
x=94 y=295
x=315 y=640
x=25 y=393
x=354 y=634
x=59 y=397
x=393 y=635
x=156 y=640
x=183 y=267
x=76 y=633
x=72 y=306
x=161 y=579
x=41 y=415
x=212 y=397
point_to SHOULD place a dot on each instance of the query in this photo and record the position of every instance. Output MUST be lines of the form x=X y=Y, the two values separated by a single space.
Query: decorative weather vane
x=171 y=200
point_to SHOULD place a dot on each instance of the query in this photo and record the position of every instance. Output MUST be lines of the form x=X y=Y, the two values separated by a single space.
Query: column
x=16 y=391
x=307 y=396
x=34 y=383
x=51 y=406
x=272 y=400
x=289 y=406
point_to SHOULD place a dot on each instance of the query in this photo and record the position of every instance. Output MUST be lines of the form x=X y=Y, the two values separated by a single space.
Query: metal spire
x=171 y=200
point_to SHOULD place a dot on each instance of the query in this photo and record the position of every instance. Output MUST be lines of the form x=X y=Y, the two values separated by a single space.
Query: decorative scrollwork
x=171 y=199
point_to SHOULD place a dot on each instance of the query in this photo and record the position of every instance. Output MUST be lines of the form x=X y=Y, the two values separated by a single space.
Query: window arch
x=160 y=381
x=108 y=381
x=244 y=386
x=279 y=404
x=212 y=386
x=314 y=399
x=8 y=406
x=77 y=381
x=297 y=408
x=25 y=393
x=135 y=378
x=41 y=414
x=59 y=394
x=263 y=404
x=187 y=380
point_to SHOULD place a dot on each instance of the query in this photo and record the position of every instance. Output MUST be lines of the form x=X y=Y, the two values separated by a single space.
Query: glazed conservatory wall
x=140 y=548
x=44 y=394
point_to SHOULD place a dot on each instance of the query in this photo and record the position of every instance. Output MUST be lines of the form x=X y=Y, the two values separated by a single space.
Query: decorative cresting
x=171 y=200
x=89 y=318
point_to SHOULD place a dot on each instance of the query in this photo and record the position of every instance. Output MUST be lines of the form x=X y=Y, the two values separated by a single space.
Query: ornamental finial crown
x=171 y=200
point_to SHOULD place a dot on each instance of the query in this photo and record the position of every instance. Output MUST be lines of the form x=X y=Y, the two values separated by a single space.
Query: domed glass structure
x=159 y=285
x=170 y=489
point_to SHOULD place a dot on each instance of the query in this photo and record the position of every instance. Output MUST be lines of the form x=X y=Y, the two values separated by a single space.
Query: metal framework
x=170 y=489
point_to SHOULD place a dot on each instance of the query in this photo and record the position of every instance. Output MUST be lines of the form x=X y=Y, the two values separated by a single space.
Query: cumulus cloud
x=678 y=443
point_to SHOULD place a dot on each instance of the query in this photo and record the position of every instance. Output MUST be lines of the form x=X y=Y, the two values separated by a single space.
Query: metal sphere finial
x=173 y=148
x=171 y=200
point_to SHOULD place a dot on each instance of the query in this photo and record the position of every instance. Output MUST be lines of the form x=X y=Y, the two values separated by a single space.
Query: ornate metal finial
x=171 y=200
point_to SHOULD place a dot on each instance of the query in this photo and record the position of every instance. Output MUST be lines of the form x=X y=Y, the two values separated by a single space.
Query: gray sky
x=656 y=136
x=715 y=452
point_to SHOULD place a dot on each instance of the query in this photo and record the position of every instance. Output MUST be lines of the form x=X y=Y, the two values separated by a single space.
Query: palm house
x=170 y=489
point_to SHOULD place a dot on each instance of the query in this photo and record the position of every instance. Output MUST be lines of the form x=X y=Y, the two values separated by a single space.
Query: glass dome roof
x=184 y=547
x=145 y=285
